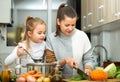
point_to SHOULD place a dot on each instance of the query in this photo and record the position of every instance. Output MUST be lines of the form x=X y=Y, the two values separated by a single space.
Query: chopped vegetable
x=118 y=73
x=98 y=74
x=111 y=70
x=78 y=78
x=118 y=76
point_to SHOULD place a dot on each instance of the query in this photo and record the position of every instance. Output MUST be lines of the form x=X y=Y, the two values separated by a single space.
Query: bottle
x=5 y=76
x=57 y=76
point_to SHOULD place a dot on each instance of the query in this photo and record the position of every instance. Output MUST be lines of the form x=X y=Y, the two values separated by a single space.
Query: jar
x=57 y=76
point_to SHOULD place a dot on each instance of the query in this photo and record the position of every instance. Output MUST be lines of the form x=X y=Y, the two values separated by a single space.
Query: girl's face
x=38 y=34
x=67 y=25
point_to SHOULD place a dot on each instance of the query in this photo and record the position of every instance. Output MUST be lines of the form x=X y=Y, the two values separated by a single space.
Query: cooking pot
x=45 y=68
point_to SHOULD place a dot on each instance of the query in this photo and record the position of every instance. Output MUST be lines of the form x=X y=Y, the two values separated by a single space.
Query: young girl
x=33 y=42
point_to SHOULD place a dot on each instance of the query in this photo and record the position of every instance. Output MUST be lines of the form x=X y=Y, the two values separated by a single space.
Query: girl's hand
x=70 y=61
x=20 y=50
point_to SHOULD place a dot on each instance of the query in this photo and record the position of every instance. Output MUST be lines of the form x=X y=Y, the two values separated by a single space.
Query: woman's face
x=67 y=25
x=38 y=34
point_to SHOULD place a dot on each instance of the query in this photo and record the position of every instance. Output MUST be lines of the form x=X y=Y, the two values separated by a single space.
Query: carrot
x=32 y=72
x=37 y=75
x=39 y=72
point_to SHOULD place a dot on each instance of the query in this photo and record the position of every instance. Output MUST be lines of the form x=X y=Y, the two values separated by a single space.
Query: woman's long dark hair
x=63 y=10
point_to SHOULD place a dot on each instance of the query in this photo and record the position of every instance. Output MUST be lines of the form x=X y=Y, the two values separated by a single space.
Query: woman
x=67 y=45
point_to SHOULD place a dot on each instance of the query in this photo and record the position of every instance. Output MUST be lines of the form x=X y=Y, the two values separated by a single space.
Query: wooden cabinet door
x=113 y=9
x=84 y=14
x=87 y=13
x=116 y=9
x=101 y=12
x=90 y=13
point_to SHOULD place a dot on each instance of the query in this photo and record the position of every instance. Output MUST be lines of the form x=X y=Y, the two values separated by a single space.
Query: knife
x=79 y=71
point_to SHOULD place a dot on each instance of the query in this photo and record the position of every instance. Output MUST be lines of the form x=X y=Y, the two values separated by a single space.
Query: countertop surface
x=108 y=80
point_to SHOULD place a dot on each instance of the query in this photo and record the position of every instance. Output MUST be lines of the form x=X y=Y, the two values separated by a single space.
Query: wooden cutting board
x=108 y=80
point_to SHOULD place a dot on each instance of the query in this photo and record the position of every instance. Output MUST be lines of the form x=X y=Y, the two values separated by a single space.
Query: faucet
x=97 y=57
x=101 y=61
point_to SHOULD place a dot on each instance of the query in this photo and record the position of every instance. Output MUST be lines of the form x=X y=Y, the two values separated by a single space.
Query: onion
x=46 y=79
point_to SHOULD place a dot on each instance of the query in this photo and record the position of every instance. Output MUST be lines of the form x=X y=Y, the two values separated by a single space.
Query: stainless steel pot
x=45 y=68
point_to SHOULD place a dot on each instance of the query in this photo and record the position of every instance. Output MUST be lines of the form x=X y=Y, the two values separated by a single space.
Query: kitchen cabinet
x=87 y=13
x=95 y=13
x=113 y=10
x=100 y=12
x=90 y=13
x=84 y=14
x=5 y=11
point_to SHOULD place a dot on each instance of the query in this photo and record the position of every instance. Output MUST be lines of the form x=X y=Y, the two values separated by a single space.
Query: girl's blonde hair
x=30 y=26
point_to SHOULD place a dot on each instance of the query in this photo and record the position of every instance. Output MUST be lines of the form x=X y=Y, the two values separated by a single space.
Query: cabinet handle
x=84 y=21
x=116 y=8
x=89 y=19
x=101 y=10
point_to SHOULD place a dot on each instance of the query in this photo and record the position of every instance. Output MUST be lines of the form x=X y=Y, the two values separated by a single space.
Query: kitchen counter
x=108 y=80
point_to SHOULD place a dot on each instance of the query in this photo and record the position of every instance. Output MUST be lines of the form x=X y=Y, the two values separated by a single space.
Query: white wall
x=115 y=45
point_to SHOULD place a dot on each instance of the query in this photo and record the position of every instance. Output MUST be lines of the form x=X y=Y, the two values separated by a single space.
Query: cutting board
x=108 y=80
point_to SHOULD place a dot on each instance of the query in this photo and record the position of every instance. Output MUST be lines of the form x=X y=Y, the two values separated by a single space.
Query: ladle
x=35 y=60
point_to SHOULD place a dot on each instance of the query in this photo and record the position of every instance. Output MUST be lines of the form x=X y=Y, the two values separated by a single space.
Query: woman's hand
x=88 y=69
x=20 y=50
x=70 y=61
